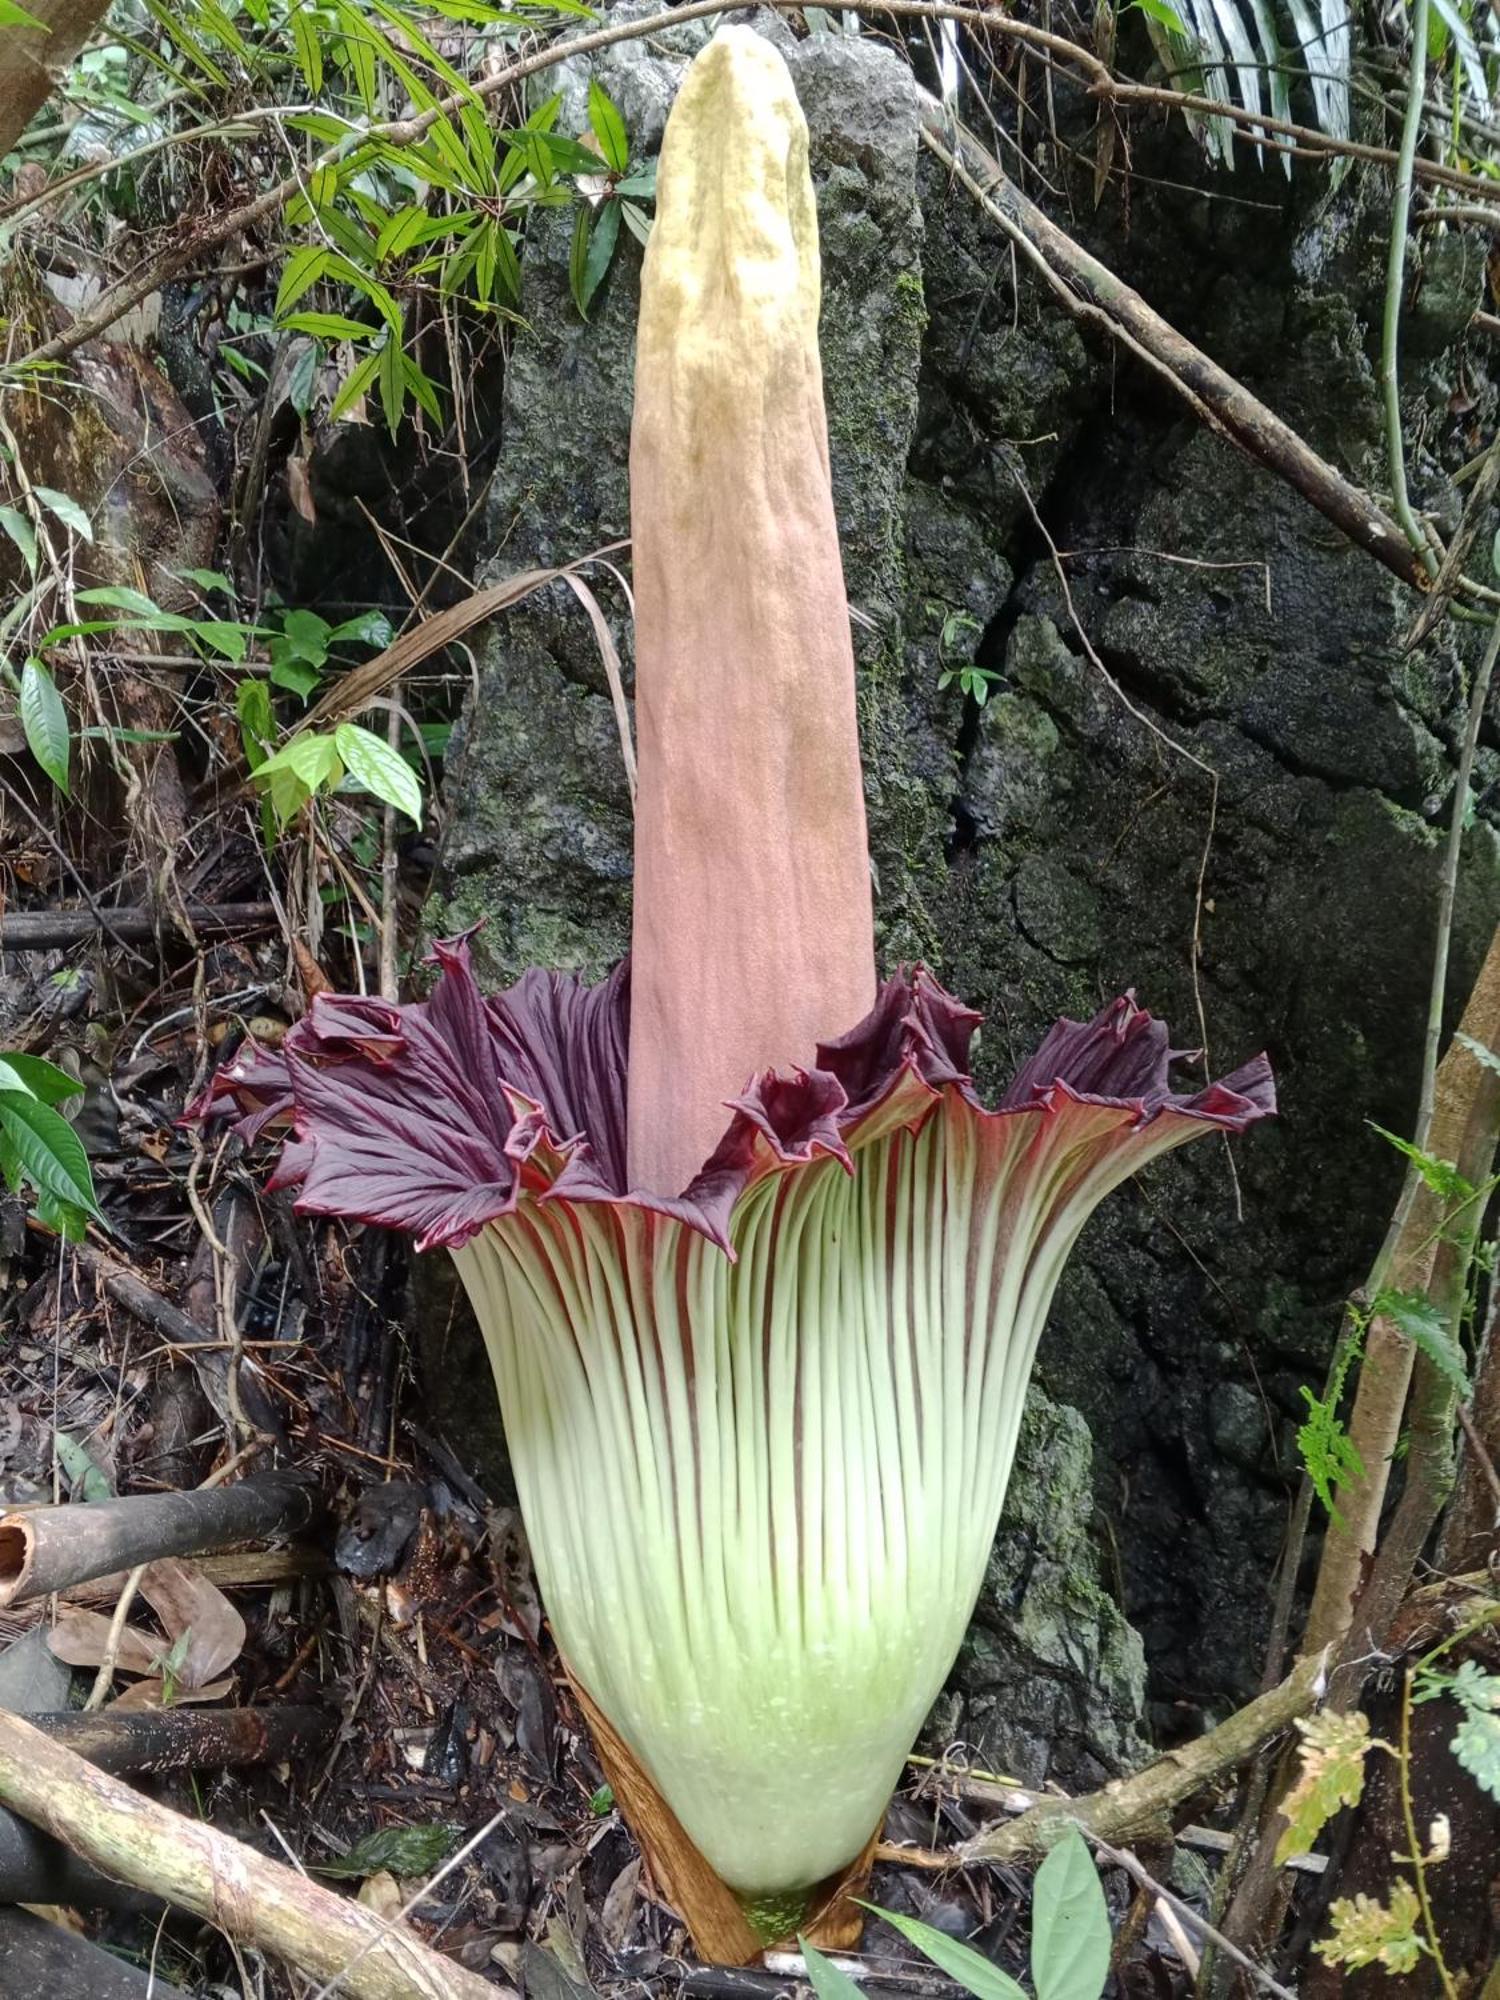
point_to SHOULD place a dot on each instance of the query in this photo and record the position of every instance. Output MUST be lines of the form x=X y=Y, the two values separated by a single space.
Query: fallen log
x=44 y=1549
x=254 y=1901
x=48 y=930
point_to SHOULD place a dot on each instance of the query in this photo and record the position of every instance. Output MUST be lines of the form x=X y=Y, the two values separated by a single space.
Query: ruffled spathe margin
x=439 y=1116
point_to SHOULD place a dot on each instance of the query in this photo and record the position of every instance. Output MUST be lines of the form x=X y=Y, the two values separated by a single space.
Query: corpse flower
x=761 y=1346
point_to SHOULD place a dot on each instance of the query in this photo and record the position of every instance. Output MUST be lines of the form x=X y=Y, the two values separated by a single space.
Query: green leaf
x=423 y=388
x=1368 y=1932
x=960 y=1961
x=403 y=1850
x=69 y=1220
x=578 y=259
x=355 y=384
x=301 y=272
x=608 y=128
x=1165 y=15
x=1440 y=1175
x=228 y=639
x=118 y=598
x=311 y=757
x=329 y=326
x=825 y=1978
x=637 y=222
x=641 y=184
x=376 y=767
x=49 y=1150
x=1476 y=1744
x=21 y=533
x=309 y=50
x=370 y=628
x=306 y=635
x=287 y=671
x=67 y=510
x=208 y=579
x=601 y=249
x=14 y=16
x=392 y=383
x=1070 y=1933
x=401 y=231
x=45 y=721
x=40 y=1078
x=84 y=1476
x=252 y=704
x=1426 y=1328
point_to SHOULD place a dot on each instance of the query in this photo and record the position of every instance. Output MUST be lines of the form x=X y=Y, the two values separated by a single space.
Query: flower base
x=721 y=1928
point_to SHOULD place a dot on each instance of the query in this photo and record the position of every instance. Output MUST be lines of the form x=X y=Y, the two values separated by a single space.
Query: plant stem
x=1395 y=286
x=1418 y=1860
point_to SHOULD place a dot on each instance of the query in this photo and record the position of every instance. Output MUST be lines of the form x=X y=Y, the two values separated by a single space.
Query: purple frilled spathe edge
x=437 y=1117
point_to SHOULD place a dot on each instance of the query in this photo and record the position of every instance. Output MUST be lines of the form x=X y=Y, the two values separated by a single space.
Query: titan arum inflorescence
x=761 y=1334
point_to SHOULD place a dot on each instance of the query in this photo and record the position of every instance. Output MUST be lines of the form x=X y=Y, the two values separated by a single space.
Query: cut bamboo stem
x=254 y=1901
x=39 y=1958
x=44 y=1549
x=152 y=1740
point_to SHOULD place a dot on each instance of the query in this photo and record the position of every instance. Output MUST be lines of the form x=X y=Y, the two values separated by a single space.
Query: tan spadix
x=752 y=929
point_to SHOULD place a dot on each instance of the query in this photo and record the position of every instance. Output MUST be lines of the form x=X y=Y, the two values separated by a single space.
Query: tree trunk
x=31 y=59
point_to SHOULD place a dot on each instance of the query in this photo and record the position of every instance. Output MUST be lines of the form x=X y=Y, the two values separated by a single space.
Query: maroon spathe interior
x=434 y=1117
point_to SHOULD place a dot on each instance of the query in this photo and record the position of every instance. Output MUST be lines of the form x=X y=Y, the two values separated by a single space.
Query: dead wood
x=47 y=930
x=45 y=1549
x=138 y=1741
x=254 y=1901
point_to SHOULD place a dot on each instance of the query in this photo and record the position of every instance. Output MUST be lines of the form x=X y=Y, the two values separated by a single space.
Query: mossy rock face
x=1044 y=850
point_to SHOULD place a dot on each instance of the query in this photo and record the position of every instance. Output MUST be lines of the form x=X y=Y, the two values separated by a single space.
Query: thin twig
x=1121 y=1858
x=1413 y=1840
x=104 y=1678
x=1395 y=287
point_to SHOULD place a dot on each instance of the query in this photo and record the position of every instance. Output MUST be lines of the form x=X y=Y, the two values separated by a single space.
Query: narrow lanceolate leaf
x=608 y=128
x=1070 y=1933
x=960 y=1961
x=374 y=765
x=301 y=272
x=21 y=533
x=603 y=237
x=825 y=1978
x=45 y=721
x=50 y=1152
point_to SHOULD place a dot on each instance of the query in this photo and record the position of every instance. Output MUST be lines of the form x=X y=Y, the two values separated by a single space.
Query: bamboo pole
x=39 y=1959
x=44 y=1549
x=254 y=1901
x=152 y=1740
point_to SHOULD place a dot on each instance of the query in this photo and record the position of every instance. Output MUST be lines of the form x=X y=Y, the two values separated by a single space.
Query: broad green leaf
x=312 y=757
x=69 y=1220
x=1426 y=1328
x=641 y=184
x=50 y=1151
x=45 y=721
x=287 y=671
x=221 y=636
x=21 y=533
x=1165 y=15
x=12 y=15
x=608 y=128
x=67 y=510
x=402 y=1850
x=1070 y=1933
x=11 y=1079
x=376 y=767
x=371 y=628
x=567 y=156
x=960 y=1961
x=41 y=1078
x=825 y=1978
x=306 y=635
